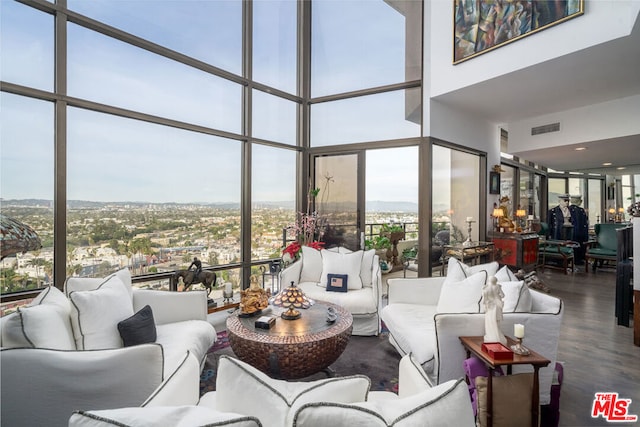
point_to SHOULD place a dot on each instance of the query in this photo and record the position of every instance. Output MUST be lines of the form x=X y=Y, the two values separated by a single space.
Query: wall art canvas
x=483 y=25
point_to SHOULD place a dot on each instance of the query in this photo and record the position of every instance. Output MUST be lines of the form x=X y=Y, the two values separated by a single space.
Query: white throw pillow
x=445 y=405
x=73 y=284
x=517 y=297
x=125 y=275
x=242 y=389
x=91 y=283
x=463 y=296
x=311 y=265
x=53 y=296
x=175 y=416
x=39 y=326
x=95 y=314
x=458 y=271
x=412 y=379
x=366 y=270
x=511 y=291
x=337 y=263
x=506 y=275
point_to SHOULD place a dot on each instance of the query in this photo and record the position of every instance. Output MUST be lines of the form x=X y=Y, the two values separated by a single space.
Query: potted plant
x=380 y=243
x=394 y=232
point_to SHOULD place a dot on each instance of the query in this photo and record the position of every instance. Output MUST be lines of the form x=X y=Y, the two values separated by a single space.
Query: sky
x=117 y=159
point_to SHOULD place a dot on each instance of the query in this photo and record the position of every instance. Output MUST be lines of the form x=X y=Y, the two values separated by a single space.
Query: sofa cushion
x=413 y=329
x=91 y=283
x=175 y=342
x=139 y=328
x=95 y=314
x=339 y=263
x=411 y=377
x=360 y=301
x=72 y=284
x=505 y=275
x=38 y=326
x=367 y=267
x=177 y=416
x=463 y=296
x=53 y=296
x=311 y=265
x=517 y=297
x=447 y=404
x=241 y=388
x=458 y=271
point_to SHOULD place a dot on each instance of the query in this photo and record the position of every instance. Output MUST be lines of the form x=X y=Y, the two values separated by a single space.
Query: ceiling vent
x=553 y=127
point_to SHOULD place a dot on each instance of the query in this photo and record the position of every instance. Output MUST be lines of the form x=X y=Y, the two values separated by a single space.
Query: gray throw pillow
x=139 y=328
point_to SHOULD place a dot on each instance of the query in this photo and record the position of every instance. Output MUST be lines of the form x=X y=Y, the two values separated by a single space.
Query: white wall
x=596 y=122
x=603 y=20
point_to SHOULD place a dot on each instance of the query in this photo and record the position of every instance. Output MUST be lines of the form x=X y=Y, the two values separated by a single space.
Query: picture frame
x=484 y=25
x=494 y=183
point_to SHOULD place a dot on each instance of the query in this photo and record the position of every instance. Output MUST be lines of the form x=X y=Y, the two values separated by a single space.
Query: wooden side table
x=473 y=345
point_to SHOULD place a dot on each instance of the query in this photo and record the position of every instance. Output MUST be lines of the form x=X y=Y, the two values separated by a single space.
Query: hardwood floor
x=598 y=355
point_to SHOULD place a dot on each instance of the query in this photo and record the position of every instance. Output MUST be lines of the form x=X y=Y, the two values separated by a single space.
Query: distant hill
x=373 y=205
x=381 y=206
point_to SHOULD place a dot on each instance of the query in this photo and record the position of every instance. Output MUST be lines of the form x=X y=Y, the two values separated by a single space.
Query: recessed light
x=580 y=148
x=620 y=168
x=606 y=164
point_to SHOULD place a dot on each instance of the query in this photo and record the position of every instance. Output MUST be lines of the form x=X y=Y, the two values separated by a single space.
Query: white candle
x=518 y=330
x=227 y=287
x=530 y=217
x=469 y=218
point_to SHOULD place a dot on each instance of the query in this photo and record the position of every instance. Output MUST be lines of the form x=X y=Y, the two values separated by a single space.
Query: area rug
x=370 y=356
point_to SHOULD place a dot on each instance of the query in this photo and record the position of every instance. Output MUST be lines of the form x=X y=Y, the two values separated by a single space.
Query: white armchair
x=363 y=294
x=417 y=326
x=62 y=354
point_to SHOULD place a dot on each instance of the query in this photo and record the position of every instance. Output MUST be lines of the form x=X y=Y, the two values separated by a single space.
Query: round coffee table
x=291 y=348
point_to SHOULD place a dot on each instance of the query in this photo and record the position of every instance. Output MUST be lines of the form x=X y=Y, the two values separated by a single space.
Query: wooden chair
x=555 y=254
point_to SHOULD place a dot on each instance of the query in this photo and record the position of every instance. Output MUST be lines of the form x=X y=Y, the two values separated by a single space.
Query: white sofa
x=64 y=352
x=247 y=397
x=363 y=298
x=422 y=323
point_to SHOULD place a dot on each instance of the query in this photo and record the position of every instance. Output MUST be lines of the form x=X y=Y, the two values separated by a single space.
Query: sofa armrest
x=542 y=332
x=43 y=387
x=422 y=291
x=290 y=274
x=181 y=387
x=170 y=307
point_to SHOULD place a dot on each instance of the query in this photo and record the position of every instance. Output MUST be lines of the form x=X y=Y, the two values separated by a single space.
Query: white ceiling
x=598 y=74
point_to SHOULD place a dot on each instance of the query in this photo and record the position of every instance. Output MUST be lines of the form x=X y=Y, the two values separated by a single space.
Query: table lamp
x=520 y=214
x=291 y=298
x=497 y=214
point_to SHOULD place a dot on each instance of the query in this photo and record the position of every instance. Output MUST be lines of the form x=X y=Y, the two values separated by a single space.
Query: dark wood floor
x=598 y=355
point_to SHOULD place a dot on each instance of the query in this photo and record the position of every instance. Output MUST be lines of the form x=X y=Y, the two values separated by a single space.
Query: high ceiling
x=598 y=74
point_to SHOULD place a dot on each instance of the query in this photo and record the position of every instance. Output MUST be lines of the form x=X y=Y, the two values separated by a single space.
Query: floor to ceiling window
x=154 y=132
x=152 y=99
x=456 y=192
x=355 y=67
x=26 y=185
x=366 y=88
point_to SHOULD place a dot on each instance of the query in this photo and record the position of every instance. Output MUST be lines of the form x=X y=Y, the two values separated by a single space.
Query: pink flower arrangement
x=308 y=230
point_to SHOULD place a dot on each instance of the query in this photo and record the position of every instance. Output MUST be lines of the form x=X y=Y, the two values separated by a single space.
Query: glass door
x=337 y=182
